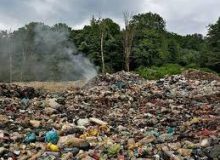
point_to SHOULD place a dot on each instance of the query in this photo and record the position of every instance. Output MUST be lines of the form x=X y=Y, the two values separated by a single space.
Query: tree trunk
x=127 y=60
x=128 y=39
x=102 y=52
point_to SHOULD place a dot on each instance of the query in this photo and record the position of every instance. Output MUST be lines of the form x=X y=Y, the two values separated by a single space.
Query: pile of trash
x=119 y=80
x=17 y=91
x=115 y=116
x=196 y=74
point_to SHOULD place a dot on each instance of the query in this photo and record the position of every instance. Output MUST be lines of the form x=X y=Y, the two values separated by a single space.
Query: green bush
x=159 y=72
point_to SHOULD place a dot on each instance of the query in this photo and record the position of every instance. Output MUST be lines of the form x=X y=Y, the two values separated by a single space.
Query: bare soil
x=53 y=86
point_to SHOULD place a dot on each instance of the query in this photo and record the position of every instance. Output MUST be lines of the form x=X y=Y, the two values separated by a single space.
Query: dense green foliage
x=87 y=41
x=153 y=47
x=155 y=72
x=213 y=40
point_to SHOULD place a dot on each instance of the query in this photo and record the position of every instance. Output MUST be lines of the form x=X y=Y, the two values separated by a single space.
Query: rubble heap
x=118 y=116
x=17 y=91
x=195 y=75
x=120 y=79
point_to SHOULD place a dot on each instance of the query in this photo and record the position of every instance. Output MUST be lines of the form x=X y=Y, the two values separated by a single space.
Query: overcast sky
x=182 y=16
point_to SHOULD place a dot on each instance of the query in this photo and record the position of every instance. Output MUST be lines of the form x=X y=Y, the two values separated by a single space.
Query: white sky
x=181 y=16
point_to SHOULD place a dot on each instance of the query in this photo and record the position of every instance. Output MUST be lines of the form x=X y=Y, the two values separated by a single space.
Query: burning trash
x=114 y=116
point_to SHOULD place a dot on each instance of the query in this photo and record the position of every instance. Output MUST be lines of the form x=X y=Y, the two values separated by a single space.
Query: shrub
x=159 y=72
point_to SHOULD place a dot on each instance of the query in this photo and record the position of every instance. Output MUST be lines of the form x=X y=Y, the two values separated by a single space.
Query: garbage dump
x=115 y=116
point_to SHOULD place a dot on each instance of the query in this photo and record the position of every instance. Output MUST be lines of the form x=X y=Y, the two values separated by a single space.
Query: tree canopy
x=23 y=50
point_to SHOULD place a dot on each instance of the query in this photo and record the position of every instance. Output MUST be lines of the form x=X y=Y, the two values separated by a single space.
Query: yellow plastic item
x=195 y=120
x=53 y=147
x=95 y=131
x=90 y=133
x=103 y=128
x=83 y=136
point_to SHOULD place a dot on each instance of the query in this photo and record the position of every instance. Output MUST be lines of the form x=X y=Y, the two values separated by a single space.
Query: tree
x=39 y=51
x=213 y=39
x=102 y=30
x=128 y=36
x=90 y=39
x=149 y=40
x=190 y=49
x=173 y=49
x=148 y=21
x=194 y=41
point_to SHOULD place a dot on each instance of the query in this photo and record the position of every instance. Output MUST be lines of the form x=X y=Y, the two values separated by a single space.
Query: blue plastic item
x=52 y=137
x=170 y=130
x=30 y=138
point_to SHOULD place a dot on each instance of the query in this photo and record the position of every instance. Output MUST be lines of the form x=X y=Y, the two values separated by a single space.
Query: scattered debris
x=115 y=116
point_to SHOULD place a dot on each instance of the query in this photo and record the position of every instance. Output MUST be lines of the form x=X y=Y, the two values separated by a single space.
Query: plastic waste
x=114 y=149
x=195 y=120
x=73 y=150
x=170 y=130
x=155 y=133
x=172 y=118
x=95 y=131
x=25 y=102
x=52 y=136
x=118 y=85
x=30 y=138
x=53 y=147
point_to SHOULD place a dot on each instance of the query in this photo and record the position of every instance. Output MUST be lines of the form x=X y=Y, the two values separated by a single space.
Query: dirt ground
x=53 y=86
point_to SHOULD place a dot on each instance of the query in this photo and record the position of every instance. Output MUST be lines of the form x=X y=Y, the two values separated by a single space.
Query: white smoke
x=38 y=52
x=74 y=66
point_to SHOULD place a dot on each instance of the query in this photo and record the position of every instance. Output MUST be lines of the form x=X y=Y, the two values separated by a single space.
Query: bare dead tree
x=102 y=29
x=102 y=50
x=128 y=36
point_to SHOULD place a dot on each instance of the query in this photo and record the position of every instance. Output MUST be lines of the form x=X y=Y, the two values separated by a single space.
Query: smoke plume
x=42 y=53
